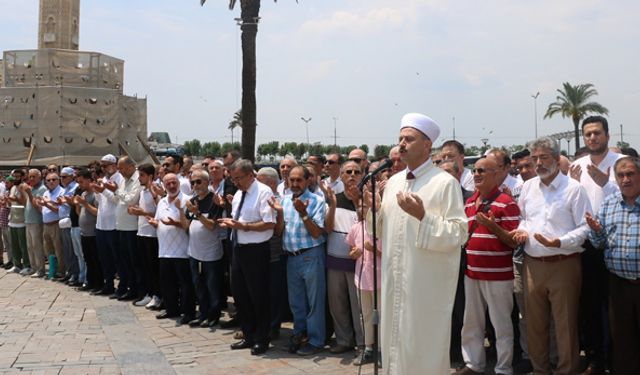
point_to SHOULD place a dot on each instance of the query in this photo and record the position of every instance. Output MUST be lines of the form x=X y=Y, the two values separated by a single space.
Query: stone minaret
x=59 y=24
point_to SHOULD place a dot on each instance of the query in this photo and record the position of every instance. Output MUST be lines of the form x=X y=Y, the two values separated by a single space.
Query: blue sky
x=365 y=62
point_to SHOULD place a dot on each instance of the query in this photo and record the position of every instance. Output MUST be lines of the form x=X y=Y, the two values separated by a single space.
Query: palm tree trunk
x=249 y=13
x=576 y=129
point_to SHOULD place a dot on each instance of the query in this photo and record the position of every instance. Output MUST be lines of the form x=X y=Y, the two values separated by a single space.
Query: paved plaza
x=49 y=328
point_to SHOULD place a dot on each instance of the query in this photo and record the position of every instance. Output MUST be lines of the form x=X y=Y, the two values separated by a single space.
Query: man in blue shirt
x=301 y=223
x=617 y=230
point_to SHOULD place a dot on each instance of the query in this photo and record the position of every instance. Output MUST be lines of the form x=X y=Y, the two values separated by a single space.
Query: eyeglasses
x=64 y=176
x=481 y=170
x=51 y=179
x=238 y=178
x=437 y=162
x=331 y=162
x=356 y=160
x=196 y=182
x=352 y=171
x=52 y=169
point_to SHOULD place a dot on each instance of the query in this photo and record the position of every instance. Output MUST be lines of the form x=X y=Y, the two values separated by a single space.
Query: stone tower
x=59 y=24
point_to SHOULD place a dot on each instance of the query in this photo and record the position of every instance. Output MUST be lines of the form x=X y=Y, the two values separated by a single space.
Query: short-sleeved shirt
x=205 y=244
x=337 y=249
x=48 y=215
x=255 y=208
x=73 y=215
x=16 y=216
x=363 y=277
x=31 y=214
x=173 y=242
x=148 y=204
x=296 y=236
x=87 y=221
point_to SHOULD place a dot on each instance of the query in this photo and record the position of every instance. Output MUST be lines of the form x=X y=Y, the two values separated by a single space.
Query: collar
x=492 y=193
x=420 y=169
x=557 y=181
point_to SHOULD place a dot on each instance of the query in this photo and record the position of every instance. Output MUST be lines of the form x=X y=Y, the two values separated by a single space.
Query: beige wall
x=59 y=24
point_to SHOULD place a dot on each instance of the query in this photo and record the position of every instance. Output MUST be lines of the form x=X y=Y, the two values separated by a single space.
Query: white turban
x=422 y=123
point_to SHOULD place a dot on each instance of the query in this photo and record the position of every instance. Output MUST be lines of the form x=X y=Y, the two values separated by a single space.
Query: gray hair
x=269 y=173
x=128 y=161
x=546 y=143
x=200 y=173
x=244 y=165
x=348 y=162
x=633 y=160
x=295 y=162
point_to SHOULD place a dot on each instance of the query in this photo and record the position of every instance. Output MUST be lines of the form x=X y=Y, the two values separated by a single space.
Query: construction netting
x=69 y=125
x=53 y=67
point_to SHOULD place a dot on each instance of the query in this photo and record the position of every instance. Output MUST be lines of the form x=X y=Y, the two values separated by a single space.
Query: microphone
x=386 y=164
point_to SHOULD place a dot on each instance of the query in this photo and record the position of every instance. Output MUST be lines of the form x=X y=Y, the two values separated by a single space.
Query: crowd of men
x=552 y=255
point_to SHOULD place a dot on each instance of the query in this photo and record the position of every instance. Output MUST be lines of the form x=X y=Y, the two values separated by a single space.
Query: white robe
x=420 y=263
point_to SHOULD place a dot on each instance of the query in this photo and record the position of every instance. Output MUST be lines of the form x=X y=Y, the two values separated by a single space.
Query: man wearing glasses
x=332 y=170
x=72 y=266
x=359 y=156
x=50 y=232
x=34 y=188
x=252 y=222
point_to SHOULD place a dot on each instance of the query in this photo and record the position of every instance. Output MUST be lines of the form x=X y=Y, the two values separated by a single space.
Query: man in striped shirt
x=489 y=274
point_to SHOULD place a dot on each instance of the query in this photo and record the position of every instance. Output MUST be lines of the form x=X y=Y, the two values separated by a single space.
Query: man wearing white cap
x=422 y=224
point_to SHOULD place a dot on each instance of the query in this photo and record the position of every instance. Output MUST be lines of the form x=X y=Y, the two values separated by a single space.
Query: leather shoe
x=102 y=292
x=233 y=322
x=259 y=348
x=467 y=371
x=128 y=296
x=592 y=370
x=166 y=315
x=242 y=344
x=185 y=319
x=339 y=349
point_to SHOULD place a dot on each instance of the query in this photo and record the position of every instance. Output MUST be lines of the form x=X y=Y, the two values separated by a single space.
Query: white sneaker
x=143 y=302
x=155 y=302
x=13 y=269
x=26 y=271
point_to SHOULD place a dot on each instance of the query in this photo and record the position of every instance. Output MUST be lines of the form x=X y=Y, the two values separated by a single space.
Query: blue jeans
x=207 y=281
x=71 y=262
x=77 y=250
x=307 y=289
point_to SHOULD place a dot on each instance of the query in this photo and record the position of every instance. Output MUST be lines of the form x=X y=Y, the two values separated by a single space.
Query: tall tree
x=249 y=17
x=573 y=102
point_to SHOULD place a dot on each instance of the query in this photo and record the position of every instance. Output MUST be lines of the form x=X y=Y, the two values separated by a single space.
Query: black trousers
x=90 y=253
x=250 y=283
x=624 y=313
x=594 y=325
x=147 y=264
x=177 y=290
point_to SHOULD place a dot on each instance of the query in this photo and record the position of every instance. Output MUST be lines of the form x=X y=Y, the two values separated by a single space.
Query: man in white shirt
x=454 y=150
x=285 y=167
x=173 y=164
x=128 y=193
x=595 y=173
x=252 y=222
x=553 y=228
x=173 y=243
x=332 y=169
x=106 y=235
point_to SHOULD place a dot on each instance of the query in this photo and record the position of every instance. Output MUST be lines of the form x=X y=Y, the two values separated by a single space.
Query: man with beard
x=553 y=207
x=341 y=288
x=173 y=242
x=422 y=224
x=594 y=171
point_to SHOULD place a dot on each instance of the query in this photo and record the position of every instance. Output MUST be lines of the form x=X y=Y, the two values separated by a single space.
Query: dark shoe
x=75 y=284
x=467 y=371
x=8 y=265
x=274 y=334
x=185 y=319
x=295 y=342
x=523 y=367
x=102 y=292
x=339 y=349
x=128 y=296
x=308 y=349
x=365 y=358
x=210 y=323
x=85 y=288
x=592 y=370
x=258 y=349
x=196 y=323
x=242 y=344
x=166 y=315
x=115 y=296
x=62 y=278
x=233 y=322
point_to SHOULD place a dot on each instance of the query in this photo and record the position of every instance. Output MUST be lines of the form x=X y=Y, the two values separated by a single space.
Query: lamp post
x=535 y=112
x=335 y=132
x=307 y=121
x=454 y=127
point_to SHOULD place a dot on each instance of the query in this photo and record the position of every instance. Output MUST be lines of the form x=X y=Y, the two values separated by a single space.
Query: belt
x=298 y=252
x=52 y=222
x=630 y=281
x=553 y=258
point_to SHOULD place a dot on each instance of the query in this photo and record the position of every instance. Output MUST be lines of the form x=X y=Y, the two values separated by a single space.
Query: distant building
x=61 y=105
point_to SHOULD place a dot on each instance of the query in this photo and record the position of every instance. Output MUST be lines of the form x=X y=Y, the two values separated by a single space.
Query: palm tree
x=249 y=17
x=236 y=122
x=573 y=102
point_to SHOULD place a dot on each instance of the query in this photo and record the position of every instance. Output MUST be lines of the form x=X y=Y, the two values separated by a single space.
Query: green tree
x=211 y=148
x=381 y=151
x=267 y=149
x=365 y=148
x=236 y=122
x=573 y=102
x=192 y=147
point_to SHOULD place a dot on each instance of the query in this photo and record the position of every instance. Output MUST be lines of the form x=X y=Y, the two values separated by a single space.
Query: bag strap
x=486 y=206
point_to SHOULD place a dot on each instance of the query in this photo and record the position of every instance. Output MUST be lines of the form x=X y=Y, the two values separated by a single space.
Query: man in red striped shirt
x=489 y=274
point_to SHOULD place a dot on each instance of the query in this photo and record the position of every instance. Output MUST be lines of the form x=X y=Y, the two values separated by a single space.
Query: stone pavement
x=48 y=328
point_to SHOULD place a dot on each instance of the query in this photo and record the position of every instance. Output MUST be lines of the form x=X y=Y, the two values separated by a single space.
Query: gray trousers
x=35 y=246
x=344 y=307
x=6 y=243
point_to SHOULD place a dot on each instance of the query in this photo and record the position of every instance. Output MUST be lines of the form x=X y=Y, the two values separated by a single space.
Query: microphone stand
x=375 y=316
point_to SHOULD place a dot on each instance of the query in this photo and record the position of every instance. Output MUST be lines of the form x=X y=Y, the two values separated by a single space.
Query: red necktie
x=410 y=176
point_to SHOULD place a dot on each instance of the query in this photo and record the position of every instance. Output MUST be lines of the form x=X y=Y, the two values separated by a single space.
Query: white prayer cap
x=108 y=158
x=422 y=123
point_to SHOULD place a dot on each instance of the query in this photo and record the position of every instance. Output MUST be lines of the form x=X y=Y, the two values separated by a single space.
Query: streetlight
x=335 y=132
x=307 y=121
x=535 y=112
x=454 y=127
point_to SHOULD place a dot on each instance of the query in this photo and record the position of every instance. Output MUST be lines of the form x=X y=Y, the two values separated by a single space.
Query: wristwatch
x=305 y=218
